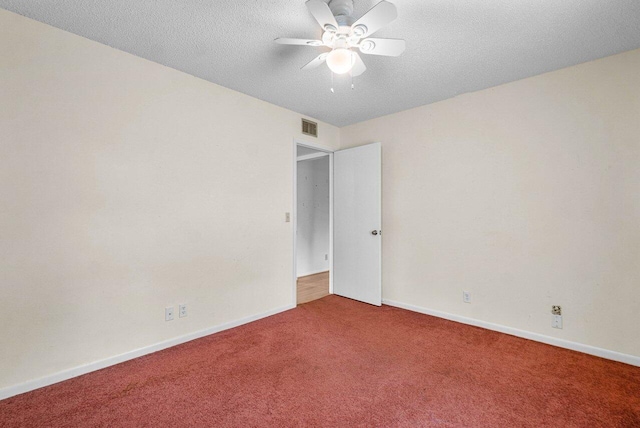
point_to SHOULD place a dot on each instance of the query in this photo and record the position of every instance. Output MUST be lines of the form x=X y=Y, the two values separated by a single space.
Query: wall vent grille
x=309 y=128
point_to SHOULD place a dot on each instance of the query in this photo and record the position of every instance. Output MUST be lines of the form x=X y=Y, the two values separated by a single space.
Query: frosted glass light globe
x=340 y=60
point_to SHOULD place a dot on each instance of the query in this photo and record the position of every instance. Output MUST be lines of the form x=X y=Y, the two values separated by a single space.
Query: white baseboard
x=101 y=364
x=574 y=346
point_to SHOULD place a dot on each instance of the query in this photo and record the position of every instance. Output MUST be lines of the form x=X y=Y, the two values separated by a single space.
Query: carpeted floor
x=336 y=362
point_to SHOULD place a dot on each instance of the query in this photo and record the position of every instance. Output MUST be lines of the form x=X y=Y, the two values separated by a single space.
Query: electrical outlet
x=182 y=310
x=326 y=256
x=287 y=217
x=556 y=321
x=466 y=296
x=168 y=313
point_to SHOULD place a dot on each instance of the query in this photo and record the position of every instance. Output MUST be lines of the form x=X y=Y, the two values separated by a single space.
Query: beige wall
x=125 y=187
x=526 y=194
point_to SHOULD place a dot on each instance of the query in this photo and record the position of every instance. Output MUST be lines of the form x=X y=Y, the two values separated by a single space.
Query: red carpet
x=336 y=362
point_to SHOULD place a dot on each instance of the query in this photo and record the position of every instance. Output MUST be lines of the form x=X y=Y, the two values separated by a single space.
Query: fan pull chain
x=353 y=62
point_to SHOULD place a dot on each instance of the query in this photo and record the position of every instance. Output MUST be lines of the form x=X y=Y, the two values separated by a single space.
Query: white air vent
x=309 y=128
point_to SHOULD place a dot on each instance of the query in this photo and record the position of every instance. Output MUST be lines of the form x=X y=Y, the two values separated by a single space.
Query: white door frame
x=304 y=143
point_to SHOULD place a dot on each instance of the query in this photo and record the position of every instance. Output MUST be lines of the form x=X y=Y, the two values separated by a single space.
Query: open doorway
x=355 y=223
x=313 y=223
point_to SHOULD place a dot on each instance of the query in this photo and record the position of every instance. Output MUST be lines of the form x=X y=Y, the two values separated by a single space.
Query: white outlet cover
x=556 y=321
x=182 y=311
x=168 y=313
x=466 y=296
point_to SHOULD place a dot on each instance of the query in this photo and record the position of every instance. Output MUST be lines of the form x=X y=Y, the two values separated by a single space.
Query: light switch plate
x=556 y=321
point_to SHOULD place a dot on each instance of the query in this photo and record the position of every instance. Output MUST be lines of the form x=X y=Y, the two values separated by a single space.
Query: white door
x=357 y=220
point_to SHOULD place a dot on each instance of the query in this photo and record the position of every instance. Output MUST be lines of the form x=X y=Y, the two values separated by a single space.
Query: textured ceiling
x=453 y=46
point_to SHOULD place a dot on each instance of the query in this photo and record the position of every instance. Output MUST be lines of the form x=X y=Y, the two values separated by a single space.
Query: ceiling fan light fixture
x=340 y=60
x=367 y=45
x=330 y=28
x=343 y=35
x=360 y=30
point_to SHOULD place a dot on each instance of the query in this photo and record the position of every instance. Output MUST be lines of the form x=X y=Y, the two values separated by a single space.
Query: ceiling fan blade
x=358 y=66
x=387 y=47
x=316 y=61
x=298 y=42
x=321 y=12
x=378 y=16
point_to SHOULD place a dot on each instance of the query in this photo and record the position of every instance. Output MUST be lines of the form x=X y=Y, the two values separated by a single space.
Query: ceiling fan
x=344 y=35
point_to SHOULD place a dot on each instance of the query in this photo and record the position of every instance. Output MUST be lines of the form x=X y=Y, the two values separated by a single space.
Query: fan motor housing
x=341 y=7
x=342 y=10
